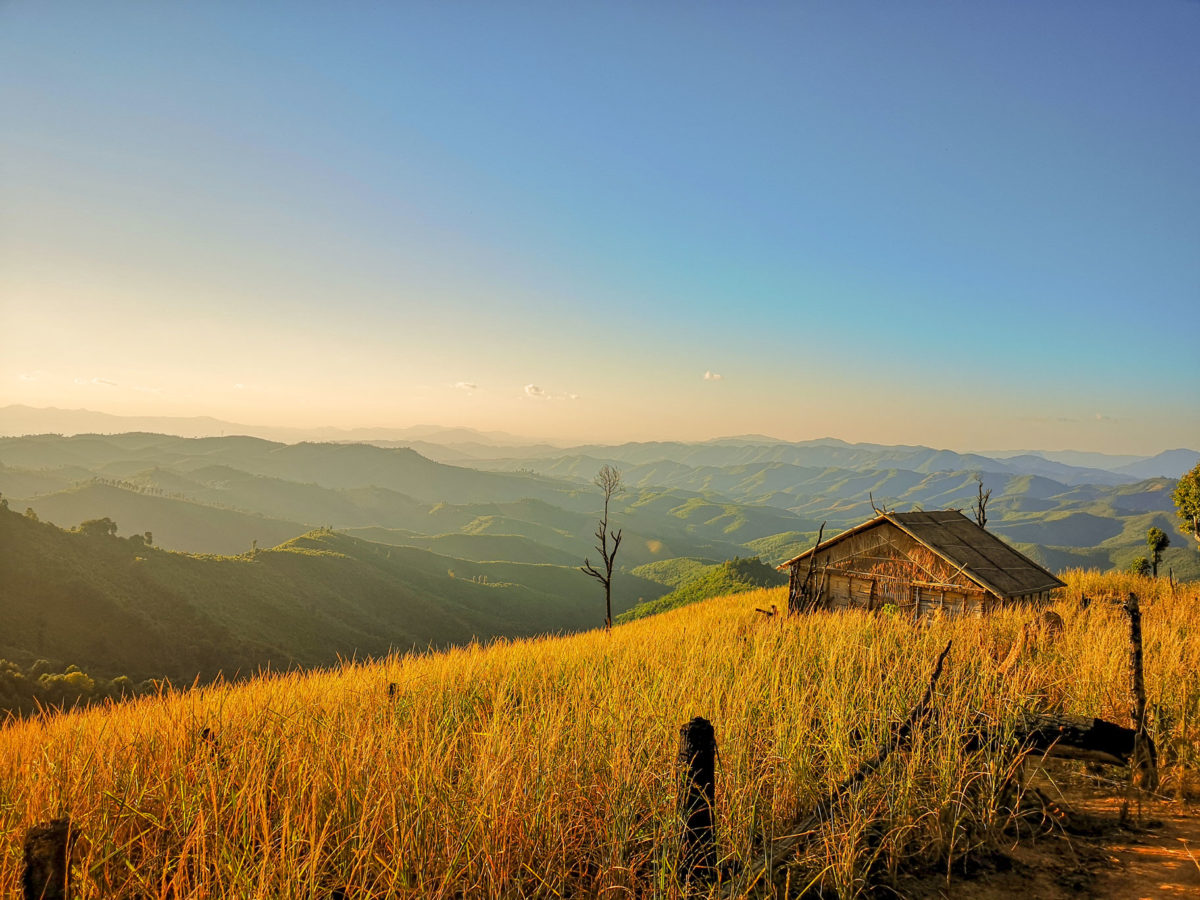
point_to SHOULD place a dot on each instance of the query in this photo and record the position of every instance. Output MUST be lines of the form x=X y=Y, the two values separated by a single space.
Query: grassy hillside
x=478 y=547
x=546 y=768
x=174 y=524
x=780 y=548
x=735 y=576
x=114 y=606
x=674 y=572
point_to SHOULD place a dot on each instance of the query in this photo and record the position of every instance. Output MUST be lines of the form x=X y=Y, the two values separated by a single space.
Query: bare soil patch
x=1150 y=853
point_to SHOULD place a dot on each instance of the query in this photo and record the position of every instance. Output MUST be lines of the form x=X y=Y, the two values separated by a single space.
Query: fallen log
x=1076 y=737
x=1061 y=736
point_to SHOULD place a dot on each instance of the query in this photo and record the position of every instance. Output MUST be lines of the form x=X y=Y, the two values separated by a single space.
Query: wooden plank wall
x=879 y=567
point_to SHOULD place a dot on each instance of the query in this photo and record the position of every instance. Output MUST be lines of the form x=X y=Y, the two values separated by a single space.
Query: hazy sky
x=959 y=224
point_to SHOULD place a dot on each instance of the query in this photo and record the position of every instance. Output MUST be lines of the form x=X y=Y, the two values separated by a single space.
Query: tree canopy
x=105 y=527
x=1157 y=541
x=1187 y=500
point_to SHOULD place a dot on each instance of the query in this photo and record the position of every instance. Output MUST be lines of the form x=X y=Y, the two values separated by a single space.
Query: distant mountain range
x=258 y=524
x=470 y=445
x=18 y=419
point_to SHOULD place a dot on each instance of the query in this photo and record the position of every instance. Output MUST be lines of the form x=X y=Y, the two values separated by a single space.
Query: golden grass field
x=545 y=768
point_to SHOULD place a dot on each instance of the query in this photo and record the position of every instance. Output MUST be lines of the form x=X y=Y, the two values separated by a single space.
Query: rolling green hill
x=735 y=576
x=114 y=606
x=674 y=572
x=360 y=486
x=477 y=547
x=175 y=524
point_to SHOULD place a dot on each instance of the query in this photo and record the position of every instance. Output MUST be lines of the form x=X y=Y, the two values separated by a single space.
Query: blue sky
x=968 y=225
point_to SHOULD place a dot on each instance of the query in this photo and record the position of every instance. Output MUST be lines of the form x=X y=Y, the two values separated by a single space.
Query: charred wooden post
x=1145 y=758
x=697 y=796
x=47 y=873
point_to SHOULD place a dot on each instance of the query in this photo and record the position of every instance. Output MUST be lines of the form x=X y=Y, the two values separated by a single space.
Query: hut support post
x=802 y=597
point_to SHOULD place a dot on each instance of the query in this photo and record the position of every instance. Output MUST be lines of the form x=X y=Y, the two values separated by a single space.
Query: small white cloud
x=466 y=385
x=30 y=376
x=239 y=387
x=102 y=382
x=537 y=392
x=712 y=376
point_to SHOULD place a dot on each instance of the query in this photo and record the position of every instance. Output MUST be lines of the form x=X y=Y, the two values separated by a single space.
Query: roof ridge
x=980 y=555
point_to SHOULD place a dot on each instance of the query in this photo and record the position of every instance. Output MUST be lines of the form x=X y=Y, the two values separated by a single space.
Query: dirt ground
x=1154 y=853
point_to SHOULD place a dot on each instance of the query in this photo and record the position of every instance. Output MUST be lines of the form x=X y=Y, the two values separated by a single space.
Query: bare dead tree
x=981 y=503
x=608 y=479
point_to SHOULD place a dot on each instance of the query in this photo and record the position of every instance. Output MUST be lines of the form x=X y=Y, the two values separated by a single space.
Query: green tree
x=1140 y=566
x=105 y=527
x=1187 y=500
x=1157 y=541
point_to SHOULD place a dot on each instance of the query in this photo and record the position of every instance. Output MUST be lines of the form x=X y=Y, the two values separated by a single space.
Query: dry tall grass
x=544 y=768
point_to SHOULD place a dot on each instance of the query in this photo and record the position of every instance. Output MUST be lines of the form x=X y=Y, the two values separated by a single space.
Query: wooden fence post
x=1144 y=759
x=697 y=796
x=48 y=861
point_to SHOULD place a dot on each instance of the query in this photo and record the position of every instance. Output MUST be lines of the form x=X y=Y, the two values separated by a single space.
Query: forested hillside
x=116 y=606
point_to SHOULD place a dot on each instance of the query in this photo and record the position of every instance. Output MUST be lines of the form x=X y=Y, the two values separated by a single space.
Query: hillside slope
x=114 y=606
x=175 y=524
x=547 y=768
x=735 y=576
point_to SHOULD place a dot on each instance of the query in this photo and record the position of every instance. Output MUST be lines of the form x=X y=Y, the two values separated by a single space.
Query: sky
x=963 y=225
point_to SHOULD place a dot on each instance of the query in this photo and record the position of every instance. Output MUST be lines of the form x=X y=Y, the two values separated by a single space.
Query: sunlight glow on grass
x=545 y=768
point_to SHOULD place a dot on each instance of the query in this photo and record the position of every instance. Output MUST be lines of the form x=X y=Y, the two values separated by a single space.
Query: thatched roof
x=979 y=554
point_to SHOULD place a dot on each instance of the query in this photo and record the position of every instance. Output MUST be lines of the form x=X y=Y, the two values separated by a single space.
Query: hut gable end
x=915 y=558
x=885 y=551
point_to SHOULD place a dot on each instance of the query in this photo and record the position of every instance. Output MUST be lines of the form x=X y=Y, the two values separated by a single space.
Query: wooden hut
x=919 y=562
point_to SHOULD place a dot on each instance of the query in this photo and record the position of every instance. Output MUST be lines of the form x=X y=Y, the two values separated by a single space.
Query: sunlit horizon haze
x=962 y=226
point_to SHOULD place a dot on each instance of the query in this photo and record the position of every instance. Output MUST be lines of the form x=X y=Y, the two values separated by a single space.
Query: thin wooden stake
x=697 y=796
x=1145 y=758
